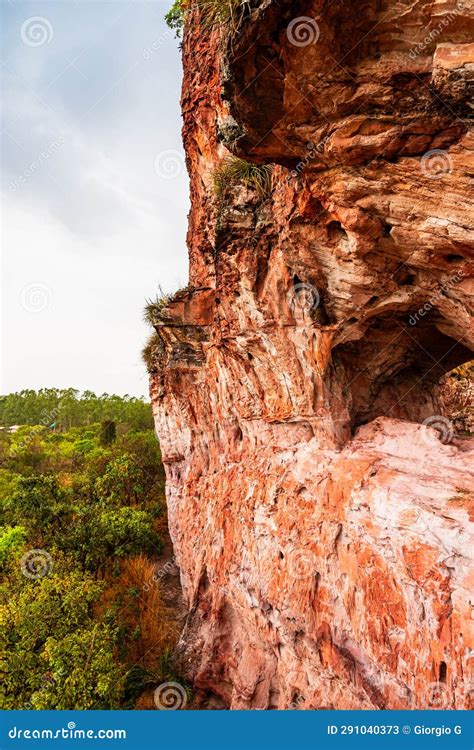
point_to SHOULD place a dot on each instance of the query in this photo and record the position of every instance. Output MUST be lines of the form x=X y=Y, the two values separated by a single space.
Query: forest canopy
x=66 y=408
x=82 y=518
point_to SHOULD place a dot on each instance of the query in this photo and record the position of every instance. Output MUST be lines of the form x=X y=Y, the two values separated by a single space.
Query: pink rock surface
x=323 y=533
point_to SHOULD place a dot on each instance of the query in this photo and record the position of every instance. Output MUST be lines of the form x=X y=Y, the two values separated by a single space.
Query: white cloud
x=92 y=222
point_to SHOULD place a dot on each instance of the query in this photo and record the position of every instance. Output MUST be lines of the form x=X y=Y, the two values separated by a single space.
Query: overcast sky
x=95 y=192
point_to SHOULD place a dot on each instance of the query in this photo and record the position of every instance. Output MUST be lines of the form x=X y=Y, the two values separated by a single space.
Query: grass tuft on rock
x=152 y=352
x=153 y=311
x=236 y=171
x=212 y=13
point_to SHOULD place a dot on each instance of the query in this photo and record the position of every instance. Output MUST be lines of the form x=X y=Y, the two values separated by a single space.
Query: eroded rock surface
x=322 y=531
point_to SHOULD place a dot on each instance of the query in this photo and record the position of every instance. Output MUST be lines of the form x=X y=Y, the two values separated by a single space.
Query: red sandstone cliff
x=321 y=529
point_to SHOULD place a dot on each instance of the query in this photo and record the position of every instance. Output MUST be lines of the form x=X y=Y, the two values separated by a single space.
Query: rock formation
x=319 y=500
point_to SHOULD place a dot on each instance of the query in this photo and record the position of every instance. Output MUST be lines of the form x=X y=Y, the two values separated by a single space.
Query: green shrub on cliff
x=227 y=13
x=176 y=16
x=235 y=171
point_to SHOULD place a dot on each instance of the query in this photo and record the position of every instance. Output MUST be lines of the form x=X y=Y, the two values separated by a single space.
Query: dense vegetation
x=68 y=408
x=82 y=622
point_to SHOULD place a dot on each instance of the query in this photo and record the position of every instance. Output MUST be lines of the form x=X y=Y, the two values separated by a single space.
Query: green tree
x=108 y=432
x=37 y=501
x=57 y=655
x=98 y=537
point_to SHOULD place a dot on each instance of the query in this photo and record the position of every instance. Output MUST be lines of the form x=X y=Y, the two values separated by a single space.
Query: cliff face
x=318 y=498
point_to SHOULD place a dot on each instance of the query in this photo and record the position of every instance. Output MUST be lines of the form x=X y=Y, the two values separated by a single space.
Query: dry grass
x=153 y=311
x=227 y=13
x=152 y=352
x=147 y=616
x=235 y=171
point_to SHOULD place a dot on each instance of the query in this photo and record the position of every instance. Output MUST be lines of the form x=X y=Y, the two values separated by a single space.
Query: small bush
x=152 y=352
x=176 y=16
x=212 y=13
x=153 y=312
x=235 y=171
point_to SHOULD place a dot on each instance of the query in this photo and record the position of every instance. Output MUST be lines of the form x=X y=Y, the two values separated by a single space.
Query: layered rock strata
x=319 y=498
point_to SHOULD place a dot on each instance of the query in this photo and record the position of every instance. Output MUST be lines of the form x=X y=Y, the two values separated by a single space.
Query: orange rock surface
x=319 y=500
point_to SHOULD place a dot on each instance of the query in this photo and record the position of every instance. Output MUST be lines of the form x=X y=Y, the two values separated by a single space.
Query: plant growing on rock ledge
x=152 y=352
x=176 y=16
x=235 y=171
x=153 y=312
x=227 y=13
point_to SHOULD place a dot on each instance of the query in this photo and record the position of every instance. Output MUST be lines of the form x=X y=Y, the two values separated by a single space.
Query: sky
x=94 y=189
